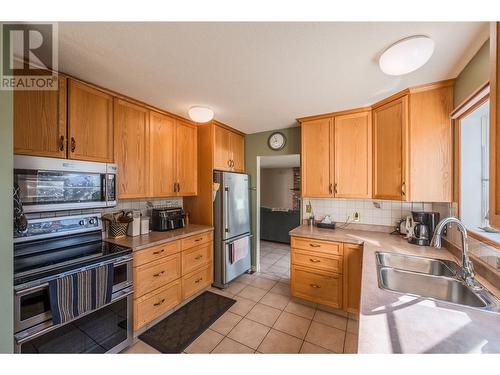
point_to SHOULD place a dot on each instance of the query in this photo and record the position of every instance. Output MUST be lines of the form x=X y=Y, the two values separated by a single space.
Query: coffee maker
x=423 y=227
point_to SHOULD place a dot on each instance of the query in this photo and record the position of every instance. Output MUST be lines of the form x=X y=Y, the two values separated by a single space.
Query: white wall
x=275 y=187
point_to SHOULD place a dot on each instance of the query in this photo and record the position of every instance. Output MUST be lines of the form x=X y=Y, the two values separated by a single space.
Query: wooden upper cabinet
x=430 y=145
x=316 y=158
x=90 y=123
x=162 y=155
x=390 y=123
x=222 y=148
x=40 y=122
x=186 y=158
x=494 y=185
x=131 y=150
x=353 y=155
x=237 y=142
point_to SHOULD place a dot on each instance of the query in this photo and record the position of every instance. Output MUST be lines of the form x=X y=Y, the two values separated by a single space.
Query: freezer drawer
x=226 y=269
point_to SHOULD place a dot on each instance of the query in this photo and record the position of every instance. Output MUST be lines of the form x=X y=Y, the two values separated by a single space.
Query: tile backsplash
x=124 y=204
x=371 y=211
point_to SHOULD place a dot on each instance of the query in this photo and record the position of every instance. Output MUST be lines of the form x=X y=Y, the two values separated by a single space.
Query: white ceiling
x=257 y=76
x=280 y=161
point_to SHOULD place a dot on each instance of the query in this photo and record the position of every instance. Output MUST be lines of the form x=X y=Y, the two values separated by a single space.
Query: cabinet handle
x=61 y=143
x=158 y=274
x=198 y=257
x=315 y=286
x=314 y=245
x=73 y=144
x=198 y=280
x=335 y=188
x=178 y=187
x=330 y=189
x=232 y=163
x=159 y=303
x=198 y=239
x=158 y=252
x=403 y=188
x=175 y=187
x=314 y=260
x=229 y=163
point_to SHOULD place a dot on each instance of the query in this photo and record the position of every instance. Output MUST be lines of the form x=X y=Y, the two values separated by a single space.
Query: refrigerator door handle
x=226 y=207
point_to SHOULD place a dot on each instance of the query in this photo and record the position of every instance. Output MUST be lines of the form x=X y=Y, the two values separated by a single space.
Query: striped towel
x=81 y=292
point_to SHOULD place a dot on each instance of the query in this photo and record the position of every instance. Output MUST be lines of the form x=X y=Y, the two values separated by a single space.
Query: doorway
x=278 y=211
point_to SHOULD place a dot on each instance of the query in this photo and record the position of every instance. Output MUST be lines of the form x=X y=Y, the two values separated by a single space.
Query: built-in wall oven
x=53 y=248
x=50 y=184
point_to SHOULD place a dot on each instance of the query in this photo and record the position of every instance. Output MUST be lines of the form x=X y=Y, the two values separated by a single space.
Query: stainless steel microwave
x=50 y=184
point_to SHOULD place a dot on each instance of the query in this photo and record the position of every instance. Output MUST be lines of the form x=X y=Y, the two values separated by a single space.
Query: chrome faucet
x=467 y=267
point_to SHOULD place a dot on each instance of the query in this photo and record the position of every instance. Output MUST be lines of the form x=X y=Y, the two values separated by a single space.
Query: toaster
x=163 y=219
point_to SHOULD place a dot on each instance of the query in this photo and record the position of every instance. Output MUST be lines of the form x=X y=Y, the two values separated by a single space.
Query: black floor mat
x=174 y=333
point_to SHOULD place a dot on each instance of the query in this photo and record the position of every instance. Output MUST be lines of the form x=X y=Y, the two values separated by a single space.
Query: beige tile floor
x=265 y=319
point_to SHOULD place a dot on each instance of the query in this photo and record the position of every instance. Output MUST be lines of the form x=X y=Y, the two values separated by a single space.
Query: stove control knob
x=81 y=222
x=92 y=221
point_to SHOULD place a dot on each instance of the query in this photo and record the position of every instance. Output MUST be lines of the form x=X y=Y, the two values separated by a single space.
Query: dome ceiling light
x=200 y=113
x=406 y=55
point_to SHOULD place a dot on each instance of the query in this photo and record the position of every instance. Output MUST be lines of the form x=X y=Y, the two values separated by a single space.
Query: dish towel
x=239 y=249
x=81 y=292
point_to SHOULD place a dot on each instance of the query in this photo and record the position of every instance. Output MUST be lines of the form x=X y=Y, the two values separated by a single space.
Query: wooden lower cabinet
x=196 y=281
x=152 y=305
x=156 y=274
x=166 y=275
x=326 y=272
x=353 y=262
x=318 y=286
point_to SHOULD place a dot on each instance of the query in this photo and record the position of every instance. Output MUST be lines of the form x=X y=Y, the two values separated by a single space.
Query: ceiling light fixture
x=200 y=113
x=406 y=55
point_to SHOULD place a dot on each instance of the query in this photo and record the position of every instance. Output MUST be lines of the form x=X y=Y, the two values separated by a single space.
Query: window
x=474 y=171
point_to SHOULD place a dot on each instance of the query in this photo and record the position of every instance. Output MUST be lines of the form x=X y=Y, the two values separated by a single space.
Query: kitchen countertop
x=392 y=322
x=158 y=238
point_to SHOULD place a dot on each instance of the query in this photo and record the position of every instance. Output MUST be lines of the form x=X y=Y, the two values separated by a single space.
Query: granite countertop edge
x=391 y=322
x=158 y=238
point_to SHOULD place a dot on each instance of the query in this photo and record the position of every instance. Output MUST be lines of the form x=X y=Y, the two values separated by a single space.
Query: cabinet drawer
x=321 y=261
x=156 y=252
x=192 y=241
x=196 y=281
x=334 y=248
x=156 y=274
x=318 y=286
x=152 y=305
x=196 y=257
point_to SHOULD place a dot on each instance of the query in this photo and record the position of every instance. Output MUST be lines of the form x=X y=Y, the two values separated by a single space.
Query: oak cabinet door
x=40 y=122
x=90 y=123
x=353 y=156
x=352 y=263
x=186 y=159
x=131 y=123
x=316 y=158
x=237 y=142
x=222 y=148
x=162 y=155
x=389 y=149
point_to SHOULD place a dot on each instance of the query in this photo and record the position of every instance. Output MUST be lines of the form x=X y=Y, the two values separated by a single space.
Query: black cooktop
x=44 y=258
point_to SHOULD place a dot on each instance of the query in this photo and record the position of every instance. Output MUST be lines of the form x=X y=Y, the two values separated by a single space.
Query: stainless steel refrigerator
x=232 y=227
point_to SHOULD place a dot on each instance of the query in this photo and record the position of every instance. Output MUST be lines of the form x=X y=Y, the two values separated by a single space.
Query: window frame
x=469 y=105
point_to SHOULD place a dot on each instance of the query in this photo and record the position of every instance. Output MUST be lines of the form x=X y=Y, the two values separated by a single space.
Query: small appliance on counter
x=134 y=227
x=164 y=218
x=422 y=228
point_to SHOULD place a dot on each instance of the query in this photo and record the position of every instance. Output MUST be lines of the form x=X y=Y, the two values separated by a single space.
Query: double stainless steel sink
x=437 y=279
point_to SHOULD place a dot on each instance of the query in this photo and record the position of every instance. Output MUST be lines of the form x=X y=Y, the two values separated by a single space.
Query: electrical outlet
x=356 y=217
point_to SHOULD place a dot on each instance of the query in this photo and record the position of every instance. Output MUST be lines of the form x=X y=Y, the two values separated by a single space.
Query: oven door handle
x=31 y=289
x=25 y=335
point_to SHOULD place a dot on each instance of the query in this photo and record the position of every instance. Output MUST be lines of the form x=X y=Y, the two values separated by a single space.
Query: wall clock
x=276 y=141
